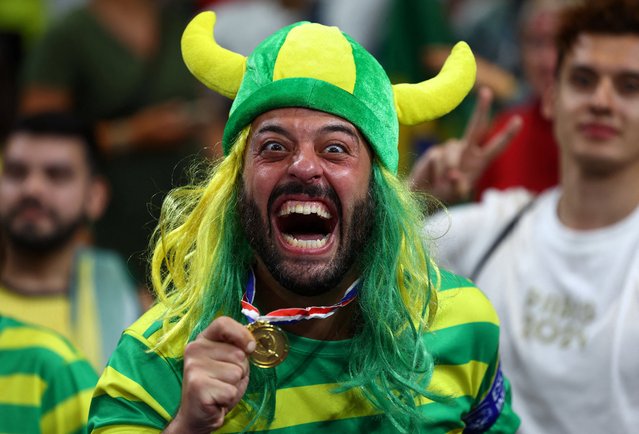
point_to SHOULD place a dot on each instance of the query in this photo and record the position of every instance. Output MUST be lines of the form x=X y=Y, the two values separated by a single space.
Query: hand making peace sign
x=450 y=170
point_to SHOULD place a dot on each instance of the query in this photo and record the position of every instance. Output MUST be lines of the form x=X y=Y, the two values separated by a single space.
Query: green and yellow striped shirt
x=45 y=384
x=140 y=390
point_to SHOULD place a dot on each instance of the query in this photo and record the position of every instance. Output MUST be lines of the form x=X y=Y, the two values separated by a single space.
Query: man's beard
x=308 y=277
x=27 y=238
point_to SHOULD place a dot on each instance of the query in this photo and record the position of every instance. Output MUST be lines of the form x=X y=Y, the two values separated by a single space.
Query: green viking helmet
x=318 y=67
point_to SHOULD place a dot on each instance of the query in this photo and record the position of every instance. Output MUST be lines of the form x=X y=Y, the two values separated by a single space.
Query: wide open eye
x=335 y=148
x=273 y=147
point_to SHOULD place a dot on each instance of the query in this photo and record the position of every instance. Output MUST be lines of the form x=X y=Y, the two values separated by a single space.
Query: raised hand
x=216 y=374
x=450 y=170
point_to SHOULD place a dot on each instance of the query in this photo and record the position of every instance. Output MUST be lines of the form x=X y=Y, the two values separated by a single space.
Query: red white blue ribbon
x=292 y=314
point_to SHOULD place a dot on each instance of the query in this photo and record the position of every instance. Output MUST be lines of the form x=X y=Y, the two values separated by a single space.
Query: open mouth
x=305 y=224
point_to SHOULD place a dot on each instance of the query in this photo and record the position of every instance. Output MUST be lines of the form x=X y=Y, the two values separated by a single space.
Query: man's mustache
x=29 y=203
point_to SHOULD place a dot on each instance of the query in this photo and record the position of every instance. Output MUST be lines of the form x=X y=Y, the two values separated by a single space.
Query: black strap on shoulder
x=498 y=240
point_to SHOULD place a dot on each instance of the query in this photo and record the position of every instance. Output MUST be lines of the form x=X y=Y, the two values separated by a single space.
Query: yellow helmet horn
x=433 y=98
x=218 y=68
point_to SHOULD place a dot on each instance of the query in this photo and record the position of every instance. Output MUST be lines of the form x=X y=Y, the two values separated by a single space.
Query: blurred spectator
x=46 y=383
x=49 y=191
x=531 y=160
x=562 y=267
x=117 y=63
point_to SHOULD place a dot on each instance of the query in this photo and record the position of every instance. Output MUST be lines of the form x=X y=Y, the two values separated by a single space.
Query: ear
x=99 y=195
x=548 y=100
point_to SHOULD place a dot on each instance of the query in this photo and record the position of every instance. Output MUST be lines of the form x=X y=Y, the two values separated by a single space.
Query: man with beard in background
x=301 y=253
x=50 y=189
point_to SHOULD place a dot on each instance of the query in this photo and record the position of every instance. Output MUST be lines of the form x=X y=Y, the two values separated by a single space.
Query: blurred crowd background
x=117 y=65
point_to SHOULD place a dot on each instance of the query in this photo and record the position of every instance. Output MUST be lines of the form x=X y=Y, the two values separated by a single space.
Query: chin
x=308 y=278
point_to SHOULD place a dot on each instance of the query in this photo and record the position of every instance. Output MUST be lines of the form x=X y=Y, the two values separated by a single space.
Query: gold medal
x=272 y=344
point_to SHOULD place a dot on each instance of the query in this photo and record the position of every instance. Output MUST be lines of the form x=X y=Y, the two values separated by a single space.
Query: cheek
x=70 y=201
x=633 y=116
x=352 y=187
x=7 y=194
x=258 y=185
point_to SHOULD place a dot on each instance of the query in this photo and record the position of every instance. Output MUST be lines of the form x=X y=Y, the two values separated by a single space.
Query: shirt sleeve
x=466 y=337
x=460 y=235
x=139 y=390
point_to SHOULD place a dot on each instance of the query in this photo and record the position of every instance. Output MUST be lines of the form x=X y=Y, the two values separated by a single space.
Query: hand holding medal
x=215 y=377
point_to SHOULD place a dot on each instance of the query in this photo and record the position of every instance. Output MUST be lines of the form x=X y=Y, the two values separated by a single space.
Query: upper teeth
x=296 y=207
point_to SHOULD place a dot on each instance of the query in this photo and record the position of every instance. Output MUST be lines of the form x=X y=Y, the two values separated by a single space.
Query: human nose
x=603 y=96
x=306 y=165
x=33 y=185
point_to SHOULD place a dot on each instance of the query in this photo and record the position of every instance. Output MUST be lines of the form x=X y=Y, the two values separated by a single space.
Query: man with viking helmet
x=294 y=291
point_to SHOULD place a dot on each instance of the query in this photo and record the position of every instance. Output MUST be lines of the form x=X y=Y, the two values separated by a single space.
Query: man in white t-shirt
x=565 y=278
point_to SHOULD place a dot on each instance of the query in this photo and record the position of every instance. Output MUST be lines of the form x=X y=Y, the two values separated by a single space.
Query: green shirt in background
x=45 y=384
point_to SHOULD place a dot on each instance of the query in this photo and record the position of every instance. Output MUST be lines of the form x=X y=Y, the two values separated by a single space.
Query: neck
x=592 y=202
x=270 y=295
x=38 y=274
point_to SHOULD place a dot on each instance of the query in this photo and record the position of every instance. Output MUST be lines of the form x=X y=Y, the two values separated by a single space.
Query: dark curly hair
x=610 y=17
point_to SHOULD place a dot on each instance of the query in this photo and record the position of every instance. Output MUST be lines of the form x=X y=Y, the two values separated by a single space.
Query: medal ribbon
x=292 y=314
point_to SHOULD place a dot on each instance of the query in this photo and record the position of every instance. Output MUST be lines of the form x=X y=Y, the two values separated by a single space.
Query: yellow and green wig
x=201 y=257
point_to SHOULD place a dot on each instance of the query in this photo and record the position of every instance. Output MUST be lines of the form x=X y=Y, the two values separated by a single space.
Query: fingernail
x=250 y=347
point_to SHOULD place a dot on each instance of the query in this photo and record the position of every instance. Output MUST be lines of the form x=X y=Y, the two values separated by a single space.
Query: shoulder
x=462 y=233
x=104 y=257
x=149 y=328
x=105 y=261
x=495 y=206
x=106 y=265
x=464 y=340
x=505 y=202
x=140 y=340
x=43 y=343
x=465 y=329
x=128 y=391
x=42 y=355
x=461 y=303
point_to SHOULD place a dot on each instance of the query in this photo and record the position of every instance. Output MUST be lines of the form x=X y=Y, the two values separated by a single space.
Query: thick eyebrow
x=271 y=128
x=340 y=128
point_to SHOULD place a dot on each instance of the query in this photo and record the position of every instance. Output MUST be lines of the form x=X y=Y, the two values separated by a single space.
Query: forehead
x=43 y=150
x=604 y=53
x=303 y=120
